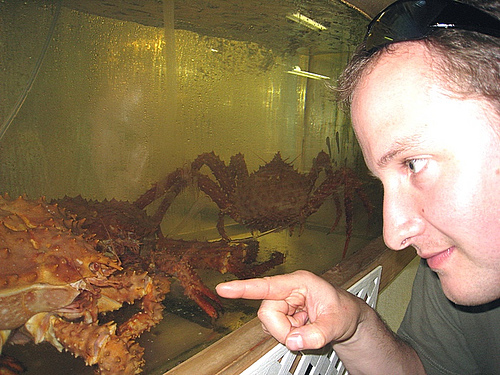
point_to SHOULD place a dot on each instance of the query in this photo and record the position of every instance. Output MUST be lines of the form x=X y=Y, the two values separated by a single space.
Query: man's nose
x=402 y=218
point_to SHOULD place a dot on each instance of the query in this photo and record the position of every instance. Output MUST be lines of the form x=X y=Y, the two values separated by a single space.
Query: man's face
x=438 y=158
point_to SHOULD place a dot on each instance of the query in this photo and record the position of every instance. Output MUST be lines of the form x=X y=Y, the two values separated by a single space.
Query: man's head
x=427 y=116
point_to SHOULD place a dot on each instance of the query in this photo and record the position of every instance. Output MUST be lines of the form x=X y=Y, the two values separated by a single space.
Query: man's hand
x=301 y=310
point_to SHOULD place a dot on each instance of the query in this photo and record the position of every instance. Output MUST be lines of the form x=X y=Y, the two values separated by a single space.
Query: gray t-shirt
x=450 y=339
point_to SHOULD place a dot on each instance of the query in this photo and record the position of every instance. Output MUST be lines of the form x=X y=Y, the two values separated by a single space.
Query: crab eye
x=416 y=165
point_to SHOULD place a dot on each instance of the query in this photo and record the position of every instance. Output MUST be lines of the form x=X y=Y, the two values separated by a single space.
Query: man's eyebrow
x=398 y=147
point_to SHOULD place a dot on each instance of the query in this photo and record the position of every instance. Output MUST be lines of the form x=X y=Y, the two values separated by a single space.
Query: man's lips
x=436 y=260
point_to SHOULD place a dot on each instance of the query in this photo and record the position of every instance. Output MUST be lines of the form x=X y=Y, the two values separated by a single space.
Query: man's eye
x=416 y=165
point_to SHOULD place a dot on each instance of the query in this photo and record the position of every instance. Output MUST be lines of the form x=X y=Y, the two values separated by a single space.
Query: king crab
x=276 y=196
x=124 y=229
x=54 y=286
x=67 y=262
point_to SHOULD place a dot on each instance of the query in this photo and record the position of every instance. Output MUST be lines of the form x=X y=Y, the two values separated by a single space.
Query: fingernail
x=295 y=342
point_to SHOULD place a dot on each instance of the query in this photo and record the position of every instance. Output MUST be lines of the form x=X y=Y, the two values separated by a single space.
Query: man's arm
x=303 y=311
x=374 y=349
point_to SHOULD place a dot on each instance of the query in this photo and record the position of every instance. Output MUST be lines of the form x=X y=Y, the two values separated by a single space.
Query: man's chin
x=469 y=296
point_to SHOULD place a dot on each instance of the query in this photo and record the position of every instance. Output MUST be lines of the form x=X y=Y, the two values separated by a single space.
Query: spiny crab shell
x=43 y=266
x=49 y=276
x=273 y=196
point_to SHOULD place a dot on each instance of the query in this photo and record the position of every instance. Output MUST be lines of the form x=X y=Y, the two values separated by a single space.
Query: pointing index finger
x=271 y=288
x=248 y=289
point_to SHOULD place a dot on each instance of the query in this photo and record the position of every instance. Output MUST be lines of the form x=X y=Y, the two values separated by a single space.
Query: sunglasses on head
x=415 y=19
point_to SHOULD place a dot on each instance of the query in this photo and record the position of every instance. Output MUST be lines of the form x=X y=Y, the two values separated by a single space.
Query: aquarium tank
x=153 y=149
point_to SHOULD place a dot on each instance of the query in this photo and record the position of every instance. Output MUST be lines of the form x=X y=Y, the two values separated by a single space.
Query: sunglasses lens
x=403 y=20
x=414 y=19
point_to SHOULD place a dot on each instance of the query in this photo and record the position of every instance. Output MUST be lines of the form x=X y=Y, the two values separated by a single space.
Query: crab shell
x=273 y=196
x=43 y=268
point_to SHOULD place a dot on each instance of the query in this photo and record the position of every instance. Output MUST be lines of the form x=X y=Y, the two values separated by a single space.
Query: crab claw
x=194 y=287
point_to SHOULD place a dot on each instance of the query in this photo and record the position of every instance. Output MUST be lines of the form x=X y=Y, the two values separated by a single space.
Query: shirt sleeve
x=432 y=327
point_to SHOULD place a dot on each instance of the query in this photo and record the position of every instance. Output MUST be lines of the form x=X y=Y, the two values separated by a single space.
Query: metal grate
x=281 y=361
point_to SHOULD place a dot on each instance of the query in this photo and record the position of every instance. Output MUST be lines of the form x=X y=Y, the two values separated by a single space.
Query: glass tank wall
x=103 y=99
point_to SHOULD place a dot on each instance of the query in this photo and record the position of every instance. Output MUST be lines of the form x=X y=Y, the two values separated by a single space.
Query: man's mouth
x=437 y=260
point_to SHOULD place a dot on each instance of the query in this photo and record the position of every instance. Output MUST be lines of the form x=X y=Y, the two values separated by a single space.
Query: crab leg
x=133 y=286
x=149 y=316
x=99 y=344
x=176 y=179
x=218 y=167
x=191 y=282
x=238 y=258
